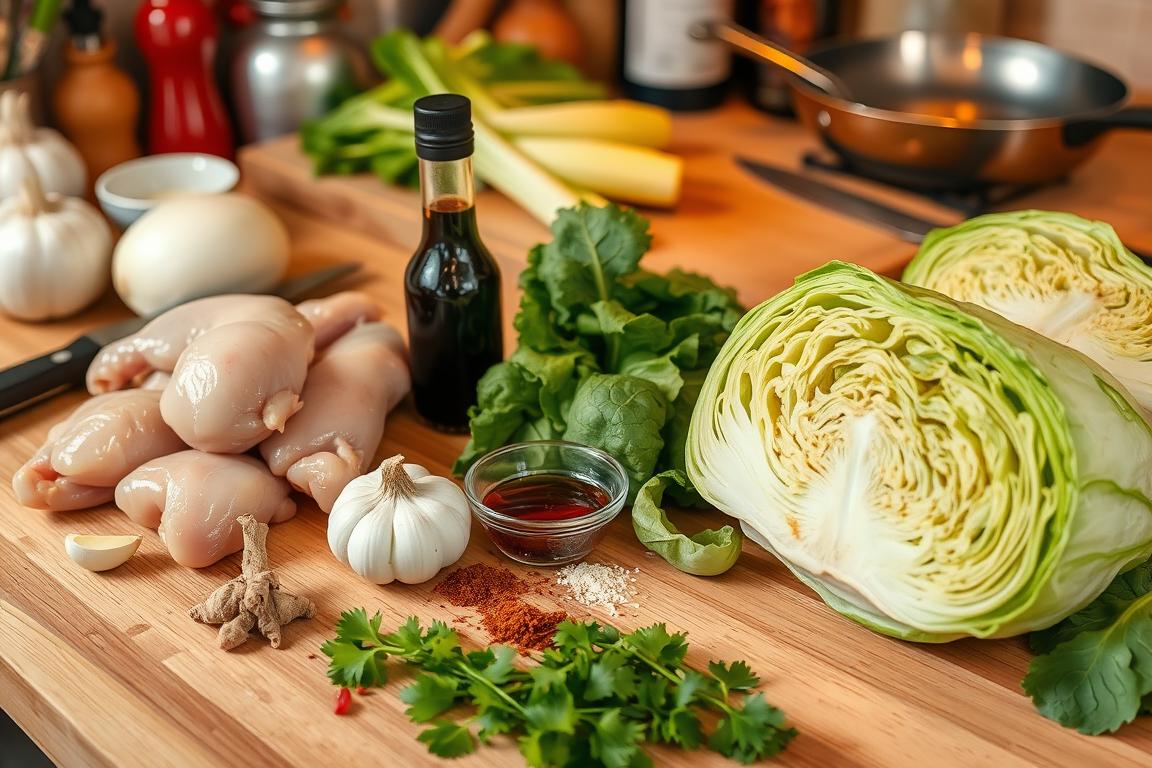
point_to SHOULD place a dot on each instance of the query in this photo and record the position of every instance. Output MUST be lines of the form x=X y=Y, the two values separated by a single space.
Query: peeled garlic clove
x=100 y=553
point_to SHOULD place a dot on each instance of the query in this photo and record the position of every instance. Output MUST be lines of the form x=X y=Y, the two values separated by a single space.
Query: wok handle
x=1080 y=133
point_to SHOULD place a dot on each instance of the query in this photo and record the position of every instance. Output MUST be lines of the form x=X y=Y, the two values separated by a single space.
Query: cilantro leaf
x=752 y=732
x=493 y=722
x=446 y=739
x=546 y=748
x=738 y=676
x=655 y=643
x=551 y=708
x=407 y=637
x=352 y=666
x=428 y=696
x=610 y=676
x=593 y=699
x=501 y=668
x=616 y=741
x=355 y=627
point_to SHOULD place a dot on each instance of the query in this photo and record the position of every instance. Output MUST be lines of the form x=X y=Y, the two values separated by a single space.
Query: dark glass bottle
x=662 y=63
x=452 y=283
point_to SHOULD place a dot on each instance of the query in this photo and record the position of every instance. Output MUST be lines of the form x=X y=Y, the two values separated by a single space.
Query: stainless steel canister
x=292 y=64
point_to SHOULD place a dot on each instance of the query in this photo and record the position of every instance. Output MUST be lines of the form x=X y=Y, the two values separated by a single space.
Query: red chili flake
x=361 y=690
x=343 y=701
x=311 y=655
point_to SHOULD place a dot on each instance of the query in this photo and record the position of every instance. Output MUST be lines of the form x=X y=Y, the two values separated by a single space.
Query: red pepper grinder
x=178 y=40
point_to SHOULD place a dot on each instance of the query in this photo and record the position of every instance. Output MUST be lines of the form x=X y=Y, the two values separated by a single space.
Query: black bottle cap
x=83 y=18
x=443 y=127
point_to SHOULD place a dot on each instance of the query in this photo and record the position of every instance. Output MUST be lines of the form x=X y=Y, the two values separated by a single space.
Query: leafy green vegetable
x=1094 y=673
x=622 y=415
x=930 y=469
x=610 y=355
x=593 y=699
x=706 y=553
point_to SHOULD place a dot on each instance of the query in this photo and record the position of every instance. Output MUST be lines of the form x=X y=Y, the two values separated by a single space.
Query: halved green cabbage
x=931 y=472
x=1066 y=277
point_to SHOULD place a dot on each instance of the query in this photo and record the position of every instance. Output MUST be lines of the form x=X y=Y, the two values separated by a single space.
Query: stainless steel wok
x=958 y=111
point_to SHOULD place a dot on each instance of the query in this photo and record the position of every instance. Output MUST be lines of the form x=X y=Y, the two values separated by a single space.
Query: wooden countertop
x=107 y=669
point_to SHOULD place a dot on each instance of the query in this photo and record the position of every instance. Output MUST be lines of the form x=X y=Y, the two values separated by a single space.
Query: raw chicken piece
x=89 y=452
x=157 y=346
x=334 y=315
x=238 y=364
x=194 y=498
x=349 y=392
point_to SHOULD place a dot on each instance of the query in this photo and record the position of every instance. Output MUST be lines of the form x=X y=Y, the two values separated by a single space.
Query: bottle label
x=659 y=50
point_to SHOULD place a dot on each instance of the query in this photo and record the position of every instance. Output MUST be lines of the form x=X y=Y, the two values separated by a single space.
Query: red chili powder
x=480 y=584
x=496 y=592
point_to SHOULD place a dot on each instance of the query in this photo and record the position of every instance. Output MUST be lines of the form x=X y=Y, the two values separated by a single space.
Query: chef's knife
x=905 y=225
x=31 y=381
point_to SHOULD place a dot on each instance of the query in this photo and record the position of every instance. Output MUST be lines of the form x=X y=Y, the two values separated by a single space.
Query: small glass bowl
x=546 y=542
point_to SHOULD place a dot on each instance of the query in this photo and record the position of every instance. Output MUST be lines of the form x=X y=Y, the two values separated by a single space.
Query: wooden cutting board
x=107 y=669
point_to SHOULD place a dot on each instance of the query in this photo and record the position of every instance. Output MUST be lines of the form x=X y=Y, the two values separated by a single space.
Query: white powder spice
x=607 y=587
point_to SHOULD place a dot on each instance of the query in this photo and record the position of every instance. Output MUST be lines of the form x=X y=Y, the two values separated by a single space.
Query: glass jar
x=291 y=64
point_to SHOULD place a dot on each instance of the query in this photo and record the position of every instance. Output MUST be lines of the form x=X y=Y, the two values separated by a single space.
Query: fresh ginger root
x=253 y=599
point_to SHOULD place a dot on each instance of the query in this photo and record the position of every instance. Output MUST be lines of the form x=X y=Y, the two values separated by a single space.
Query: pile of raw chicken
x=179 y=407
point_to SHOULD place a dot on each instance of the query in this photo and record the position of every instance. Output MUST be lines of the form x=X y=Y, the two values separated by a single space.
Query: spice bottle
x=452 y=283
x=95 y=103
x=186 y=114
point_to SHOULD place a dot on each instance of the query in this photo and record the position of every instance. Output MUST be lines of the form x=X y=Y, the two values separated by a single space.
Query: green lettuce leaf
x=706 y=553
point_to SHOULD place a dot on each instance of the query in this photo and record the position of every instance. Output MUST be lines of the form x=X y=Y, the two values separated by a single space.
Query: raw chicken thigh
x=238 y=364
x=349 y=392
x=88 y=453
x=194 y=498
x=334 y=315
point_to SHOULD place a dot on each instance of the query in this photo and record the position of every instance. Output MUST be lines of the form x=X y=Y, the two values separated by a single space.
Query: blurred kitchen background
x=1107 y=32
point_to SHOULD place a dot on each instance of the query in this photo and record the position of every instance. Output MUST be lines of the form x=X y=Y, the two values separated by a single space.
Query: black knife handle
x=33 y=380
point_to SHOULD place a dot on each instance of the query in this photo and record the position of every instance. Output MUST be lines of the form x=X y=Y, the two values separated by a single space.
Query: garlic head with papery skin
x=55 y=254
x=25 y=149
x=399 y=523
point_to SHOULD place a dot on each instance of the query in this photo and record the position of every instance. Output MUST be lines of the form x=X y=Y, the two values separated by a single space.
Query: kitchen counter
x=107 y=669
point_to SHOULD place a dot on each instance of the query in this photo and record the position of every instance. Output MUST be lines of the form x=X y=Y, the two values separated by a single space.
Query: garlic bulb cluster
x=55 y=253
x=399 y=523
x=26 y=149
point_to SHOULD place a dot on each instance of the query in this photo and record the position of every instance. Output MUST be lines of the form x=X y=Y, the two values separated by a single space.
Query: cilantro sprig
x=593 y=699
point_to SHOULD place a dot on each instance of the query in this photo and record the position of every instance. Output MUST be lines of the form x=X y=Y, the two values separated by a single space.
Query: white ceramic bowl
x=128 y=190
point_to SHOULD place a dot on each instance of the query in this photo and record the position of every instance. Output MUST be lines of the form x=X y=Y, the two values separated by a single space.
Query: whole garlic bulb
x=399 y=523
x=25 y=149
x=54 y=254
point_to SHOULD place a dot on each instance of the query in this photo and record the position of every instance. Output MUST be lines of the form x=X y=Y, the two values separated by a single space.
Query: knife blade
x=52 y=373
x=907 y=227
x=904 y=225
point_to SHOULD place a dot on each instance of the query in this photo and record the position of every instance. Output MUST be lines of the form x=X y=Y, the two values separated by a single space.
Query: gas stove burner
x=971 y=201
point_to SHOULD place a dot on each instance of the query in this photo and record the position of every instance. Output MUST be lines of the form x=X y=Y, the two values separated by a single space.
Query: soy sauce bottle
x=452 y=283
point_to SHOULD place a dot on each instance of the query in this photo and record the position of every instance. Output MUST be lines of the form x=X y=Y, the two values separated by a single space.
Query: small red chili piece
x=343 y=701
x=361 y=690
